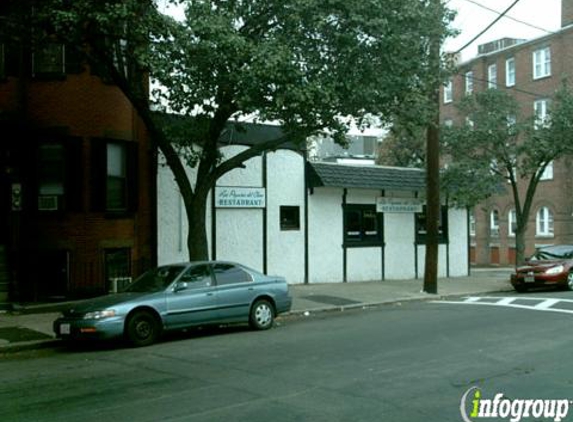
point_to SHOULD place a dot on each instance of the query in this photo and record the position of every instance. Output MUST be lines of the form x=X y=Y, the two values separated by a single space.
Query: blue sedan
x=178 y=296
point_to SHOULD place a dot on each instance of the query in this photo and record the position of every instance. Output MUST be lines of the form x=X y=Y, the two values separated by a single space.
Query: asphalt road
x=410 y=362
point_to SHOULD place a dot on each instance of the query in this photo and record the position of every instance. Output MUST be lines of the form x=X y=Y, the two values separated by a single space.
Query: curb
x=364 y=305
x=29 y=345
x=54 y=343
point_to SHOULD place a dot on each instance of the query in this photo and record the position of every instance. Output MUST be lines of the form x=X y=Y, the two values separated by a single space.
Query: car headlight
x=100 y=314
x=555 y=270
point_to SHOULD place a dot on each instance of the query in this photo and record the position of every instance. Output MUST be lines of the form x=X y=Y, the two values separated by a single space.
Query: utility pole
x=433 y=158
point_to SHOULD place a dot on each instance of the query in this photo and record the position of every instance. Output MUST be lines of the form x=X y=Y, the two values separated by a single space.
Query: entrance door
x=52 y=274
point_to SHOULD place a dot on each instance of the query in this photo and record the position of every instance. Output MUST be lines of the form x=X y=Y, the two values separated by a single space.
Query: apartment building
x=531 y=71
x=77 y=176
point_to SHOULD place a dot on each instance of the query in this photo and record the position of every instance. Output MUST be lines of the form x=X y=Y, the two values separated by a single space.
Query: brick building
x=531 y=70
x=77 y=178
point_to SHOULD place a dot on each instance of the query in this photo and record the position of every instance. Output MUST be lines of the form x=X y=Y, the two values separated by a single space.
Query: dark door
x=52 y=276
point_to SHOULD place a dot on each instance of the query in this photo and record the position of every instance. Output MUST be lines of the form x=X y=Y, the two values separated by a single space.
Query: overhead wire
x=501 y=15
x=510 y=17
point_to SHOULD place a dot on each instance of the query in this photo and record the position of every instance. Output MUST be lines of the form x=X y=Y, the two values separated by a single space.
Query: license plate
x=65 y=329
x=529 y=279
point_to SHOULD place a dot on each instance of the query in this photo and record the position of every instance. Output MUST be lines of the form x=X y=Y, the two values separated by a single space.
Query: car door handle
x=209 y=294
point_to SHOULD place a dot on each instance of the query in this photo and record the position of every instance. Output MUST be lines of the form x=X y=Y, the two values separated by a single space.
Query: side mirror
x=179 y=286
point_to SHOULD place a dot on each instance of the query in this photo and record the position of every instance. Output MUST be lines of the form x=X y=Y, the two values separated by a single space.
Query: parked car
x=179 y=296
x=549 y=266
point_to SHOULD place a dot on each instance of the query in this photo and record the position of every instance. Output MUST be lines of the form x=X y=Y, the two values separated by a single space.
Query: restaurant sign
x=399 y=205
x=239 y=197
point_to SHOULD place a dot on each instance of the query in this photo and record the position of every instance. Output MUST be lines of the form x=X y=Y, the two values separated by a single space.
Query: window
x=197 y=277
x=421 y=230
x=541 y=112
x=116 y=184
x=542 y=63
x=472 y=223
x=362 y=225
x=469 y=79
x=548 y=172
x=469 y=122
x=117 y=268
x=510 y=72
x=544 y=222
x=492 y=76
x=230 y=274
x=511 y=223
x=49 y=60
x=114 y=176
x=290 y=218
x=494 y=223
x=51 y=171
x=448 y=123
x=448 y=92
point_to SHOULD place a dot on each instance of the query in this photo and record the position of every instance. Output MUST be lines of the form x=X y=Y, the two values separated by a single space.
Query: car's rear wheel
x=262 y=315
x=142 y=329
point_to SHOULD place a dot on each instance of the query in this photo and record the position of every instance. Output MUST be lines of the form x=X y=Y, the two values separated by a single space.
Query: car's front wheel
x=520 y=288
x=142 y=329
x=262 y=315
x=570 y=281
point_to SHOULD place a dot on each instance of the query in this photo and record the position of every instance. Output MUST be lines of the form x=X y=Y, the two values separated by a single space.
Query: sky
x=538 y=18
x=471 y=19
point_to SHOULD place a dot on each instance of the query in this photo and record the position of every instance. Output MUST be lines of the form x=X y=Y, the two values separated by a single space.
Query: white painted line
x=542 y=307
x=524 y=298
x=473 y=299
x=547 y=303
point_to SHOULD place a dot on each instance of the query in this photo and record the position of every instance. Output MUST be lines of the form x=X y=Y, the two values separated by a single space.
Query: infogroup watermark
x=475 y=407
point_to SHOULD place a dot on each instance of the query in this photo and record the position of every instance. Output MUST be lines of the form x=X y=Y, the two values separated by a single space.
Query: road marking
x=537 y=303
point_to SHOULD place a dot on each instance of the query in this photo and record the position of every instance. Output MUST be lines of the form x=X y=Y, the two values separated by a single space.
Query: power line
x=501 y=15
x=510 y=17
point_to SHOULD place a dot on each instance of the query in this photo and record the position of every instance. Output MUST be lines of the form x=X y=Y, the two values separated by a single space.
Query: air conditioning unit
x=48 y=203
x=118 y=284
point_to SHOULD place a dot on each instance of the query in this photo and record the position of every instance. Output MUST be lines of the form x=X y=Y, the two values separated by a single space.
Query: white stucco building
x=315 y=222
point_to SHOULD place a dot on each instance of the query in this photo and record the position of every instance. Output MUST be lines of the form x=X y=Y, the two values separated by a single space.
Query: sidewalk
x=30 y=327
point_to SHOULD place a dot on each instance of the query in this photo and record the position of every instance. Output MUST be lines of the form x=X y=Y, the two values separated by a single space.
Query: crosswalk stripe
x=538 y=304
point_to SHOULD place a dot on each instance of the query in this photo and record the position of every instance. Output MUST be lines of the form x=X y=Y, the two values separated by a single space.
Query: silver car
x=178 y=296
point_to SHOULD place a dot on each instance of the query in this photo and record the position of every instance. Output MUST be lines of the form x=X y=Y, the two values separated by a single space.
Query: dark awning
x=366 y=177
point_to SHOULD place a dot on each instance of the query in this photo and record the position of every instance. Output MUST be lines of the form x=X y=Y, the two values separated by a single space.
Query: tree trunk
x=520 y=246
x=197 y=235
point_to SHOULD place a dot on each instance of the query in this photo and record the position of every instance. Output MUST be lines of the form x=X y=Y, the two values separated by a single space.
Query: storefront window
x=421 y=226
x=362 y=226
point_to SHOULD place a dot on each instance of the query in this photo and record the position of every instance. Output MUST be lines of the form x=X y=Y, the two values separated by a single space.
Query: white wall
x=363 y=264
x=400 y=253
x=458 y=230
x=239 y=233
x=285 y=187
x=325 y=236
x=458 y=248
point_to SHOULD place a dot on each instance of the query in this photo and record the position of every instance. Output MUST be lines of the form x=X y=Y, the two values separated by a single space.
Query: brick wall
x=552 y=193
x=82 y=107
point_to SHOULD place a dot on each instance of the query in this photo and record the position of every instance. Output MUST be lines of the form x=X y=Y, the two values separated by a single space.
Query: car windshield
x=552 y=253
x=156 y=280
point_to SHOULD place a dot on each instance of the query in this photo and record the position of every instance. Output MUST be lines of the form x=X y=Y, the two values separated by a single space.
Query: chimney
x=566 y=13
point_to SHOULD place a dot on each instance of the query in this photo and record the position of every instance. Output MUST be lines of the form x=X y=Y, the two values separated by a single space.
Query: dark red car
x=549 y=266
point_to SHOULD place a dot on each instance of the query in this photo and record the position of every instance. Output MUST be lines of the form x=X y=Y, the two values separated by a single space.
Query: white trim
x=541 y=60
